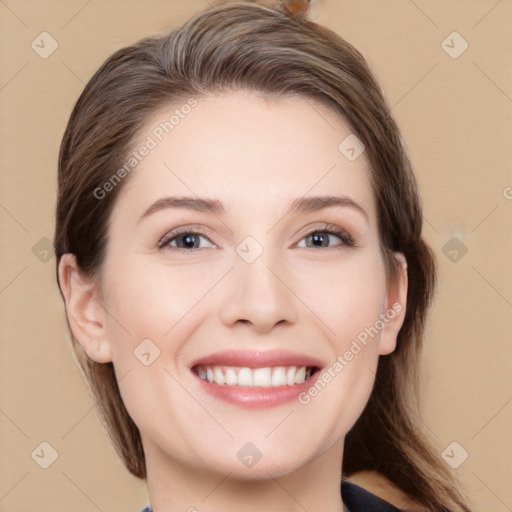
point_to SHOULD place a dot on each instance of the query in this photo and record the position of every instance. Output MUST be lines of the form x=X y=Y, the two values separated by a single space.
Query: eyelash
x=169 y=237
x=330 y=229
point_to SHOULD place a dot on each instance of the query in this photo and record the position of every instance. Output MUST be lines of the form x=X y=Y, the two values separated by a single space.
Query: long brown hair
x=247 y=46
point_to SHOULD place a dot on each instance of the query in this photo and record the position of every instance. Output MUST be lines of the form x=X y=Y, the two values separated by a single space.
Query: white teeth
x=245 y=377
x=279 y=377
x=300 y=375
x=218 y=376
x=254 y=377
x=231 y=377
x=262 y=377
x=290 y=376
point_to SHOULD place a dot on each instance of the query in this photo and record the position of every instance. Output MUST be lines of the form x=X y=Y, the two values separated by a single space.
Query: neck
x=174 y=486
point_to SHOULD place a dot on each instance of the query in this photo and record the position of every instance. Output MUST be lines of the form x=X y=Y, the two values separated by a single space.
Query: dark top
x=355 y=499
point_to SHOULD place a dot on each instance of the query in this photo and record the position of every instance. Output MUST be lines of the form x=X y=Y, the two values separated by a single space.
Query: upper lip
x=258 y=359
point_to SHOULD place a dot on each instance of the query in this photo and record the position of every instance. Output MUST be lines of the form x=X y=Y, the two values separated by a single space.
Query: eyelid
x=347 y=239
x=193 y=229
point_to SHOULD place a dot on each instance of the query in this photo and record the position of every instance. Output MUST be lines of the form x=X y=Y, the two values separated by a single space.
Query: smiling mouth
x=265 y=377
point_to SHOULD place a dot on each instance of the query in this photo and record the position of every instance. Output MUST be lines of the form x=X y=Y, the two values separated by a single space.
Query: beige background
x=455 y=115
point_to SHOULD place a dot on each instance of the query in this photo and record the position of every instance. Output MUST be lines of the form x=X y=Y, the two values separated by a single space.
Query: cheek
x=347 y=301
x=346 y=297
x=151 y=300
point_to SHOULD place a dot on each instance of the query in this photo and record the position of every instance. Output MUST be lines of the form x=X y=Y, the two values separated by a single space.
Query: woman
x=239 y=250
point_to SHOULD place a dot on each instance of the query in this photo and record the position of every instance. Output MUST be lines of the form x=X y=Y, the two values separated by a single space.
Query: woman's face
x=244 y=248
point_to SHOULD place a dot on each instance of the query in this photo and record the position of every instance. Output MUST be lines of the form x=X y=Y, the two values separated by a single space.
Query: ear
x=394 y=307
x=86 y=315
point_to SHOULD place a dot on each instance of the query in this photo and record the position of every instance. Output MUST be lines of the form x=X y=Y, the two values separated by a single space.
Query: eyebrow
x=315 y=203
x=301 y=205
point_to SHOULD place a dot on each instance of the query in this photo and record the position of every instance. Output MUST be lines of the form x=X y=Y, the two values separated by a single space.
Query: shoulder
x=381 y=488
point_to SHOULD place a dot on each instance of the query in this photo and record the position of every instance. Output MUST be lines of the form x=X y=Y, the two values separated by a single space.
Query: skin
x=255 y=155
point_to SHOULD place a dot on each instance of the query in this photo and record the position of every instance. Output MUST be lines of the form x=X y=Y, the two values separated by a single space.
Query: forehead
x=247 y=150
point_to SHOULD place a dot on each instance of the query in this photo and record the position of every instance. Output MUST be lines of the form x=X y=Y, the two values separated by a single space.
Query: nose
x=258 y=296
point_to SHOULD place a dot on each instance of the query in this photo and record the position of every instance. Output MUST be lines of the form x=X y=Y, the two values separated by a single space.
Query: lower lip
x=259 y=397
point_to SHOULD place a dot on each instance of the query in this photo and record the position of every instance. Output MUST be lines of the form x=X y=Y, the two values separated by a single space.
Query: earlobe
x=86 y=315
x=393 y=313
